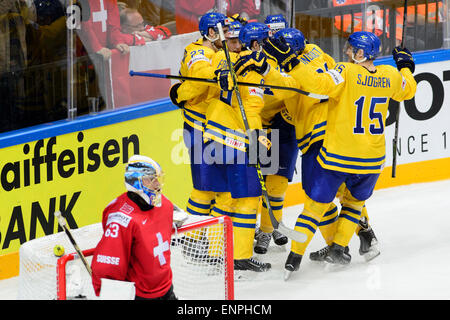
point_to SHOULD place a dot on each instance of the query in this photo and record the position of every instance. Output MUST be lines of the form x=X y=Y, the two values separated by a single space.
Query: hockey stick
x=248 y=84
x=397 y=116
x=278 y=225
x=62 y=223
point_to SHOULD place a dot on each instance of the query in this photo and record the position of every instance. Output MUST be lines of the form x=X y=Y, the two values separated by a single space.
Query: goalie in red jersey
x=137 y=225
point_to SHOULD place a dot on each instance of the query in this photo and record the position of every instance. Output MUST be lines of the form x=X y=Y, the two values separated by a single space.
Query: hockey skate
x=337 y=255
x=368 y=241
x=279 y=238
x=251 y=265
x=262 y=242
x=320 y=255
x=292 y=264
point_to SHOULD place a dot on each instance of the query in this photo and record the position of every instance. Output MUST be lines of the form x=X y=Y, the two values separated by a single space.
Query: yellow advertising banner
x=80 y=172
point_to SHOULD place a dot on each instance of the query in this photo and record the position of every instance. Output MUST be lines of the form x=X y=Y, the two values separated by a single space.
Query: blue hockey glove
x=224 y=79
x=280 y=50
x=251 y=61
x=403 y=59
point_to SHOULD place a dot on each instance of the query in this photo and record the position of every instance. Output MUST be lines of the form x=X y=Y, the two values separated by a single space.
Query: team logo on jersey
x=126 y=208
x=403 y=83
x=254 y=91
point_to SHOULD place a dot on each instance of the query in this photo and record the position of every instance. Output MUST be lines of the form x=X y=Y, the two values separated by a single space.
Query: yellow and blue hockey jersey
x=309 y=115
x=354 y=140
x=224 y=120
x=196 y=62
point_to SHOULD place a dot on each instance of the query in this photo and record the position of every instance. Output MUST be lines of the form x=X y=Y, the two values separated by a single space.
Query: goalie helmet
x=145 y=177
x=293 y=37
x=367 y=41
x=253 y=31
x=276 y=22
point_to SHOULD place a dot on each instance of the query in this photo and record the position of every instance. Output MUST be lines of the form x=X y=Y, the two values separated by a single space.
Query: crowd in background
x=34 y=46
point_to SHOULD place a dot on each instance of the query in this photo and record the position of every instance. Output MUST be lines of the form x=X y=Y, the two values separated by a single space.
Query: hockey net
x=201 y=261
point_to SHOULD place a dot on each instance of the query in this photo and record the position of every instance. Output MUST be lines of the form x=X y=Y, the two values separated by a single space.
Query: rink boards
x=77 y=166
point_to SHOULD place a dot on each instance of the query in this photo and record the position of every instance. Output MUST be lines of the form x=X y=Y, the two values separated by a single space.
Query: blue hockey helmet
x=294 y=38
x=253 y=31
x=234 y=28
x=145 y=177
x=210 y=20
x=367 y=41
x=276 y=22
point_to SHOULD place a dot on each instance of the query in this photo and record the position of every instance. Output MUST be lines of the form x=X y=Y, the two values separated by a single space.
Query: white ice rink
x=412 y=224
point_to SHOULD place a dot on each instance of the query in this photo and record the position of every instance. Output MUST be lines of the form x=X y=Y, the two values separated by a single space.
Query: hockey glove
x=174 y=96
x=403 y=59
x=224 y=79
x=280 y=50
x=252 y=61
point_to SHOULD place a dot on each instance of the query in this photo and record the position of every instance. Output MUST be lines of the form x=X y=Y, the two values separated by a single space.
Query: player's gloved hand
x=224 y=79
x=280 y=50
x=403 y=58
x=174 y=96
x=252 y=61
x=259 y=145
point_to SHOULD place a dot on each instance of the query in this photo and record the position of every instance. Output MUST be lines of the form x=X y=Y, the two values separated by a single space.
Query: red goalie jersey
x=135 y=247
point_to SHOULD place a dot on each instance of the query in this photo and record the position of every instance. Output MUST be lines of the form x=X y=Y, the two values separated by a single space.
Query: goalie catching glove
x=280 y=50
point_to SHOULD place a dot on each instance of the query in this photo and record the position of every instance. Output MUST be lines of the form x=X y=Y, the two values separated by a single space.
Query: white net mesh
x=37 y=274
x=198 y=263
x=198 y=260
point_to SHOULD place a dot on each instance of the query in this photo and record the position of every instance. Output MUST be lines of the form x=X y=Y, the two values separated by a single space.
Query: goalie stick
x=62 y=223
x=247 y=84
x=278 y=225
x=397 y=116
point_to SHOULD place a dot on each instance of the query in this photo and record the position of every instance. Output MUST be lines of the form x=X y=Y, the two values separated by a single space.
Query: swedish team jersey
x=309 y=115
x=196 y=63
x=273 y=101
x=224 y=121
x=354 y=140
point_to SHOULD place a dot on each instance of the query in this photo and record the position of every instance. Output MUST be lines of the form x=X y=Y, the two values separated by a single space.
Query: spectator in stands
x=377 y=21
x=188 y=12
x=156 y=12
x=14 y=16
x=424 y=30
x=132 y=22
x=47 y=54
x=101 y=32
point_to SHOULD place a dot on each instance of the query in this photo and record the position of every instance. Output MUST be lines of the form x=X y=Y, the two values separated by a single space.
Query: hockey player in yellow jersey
x=225 y=131
x=281 y=132
x=309 y=117
x=191 y=97
x=353 y=149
